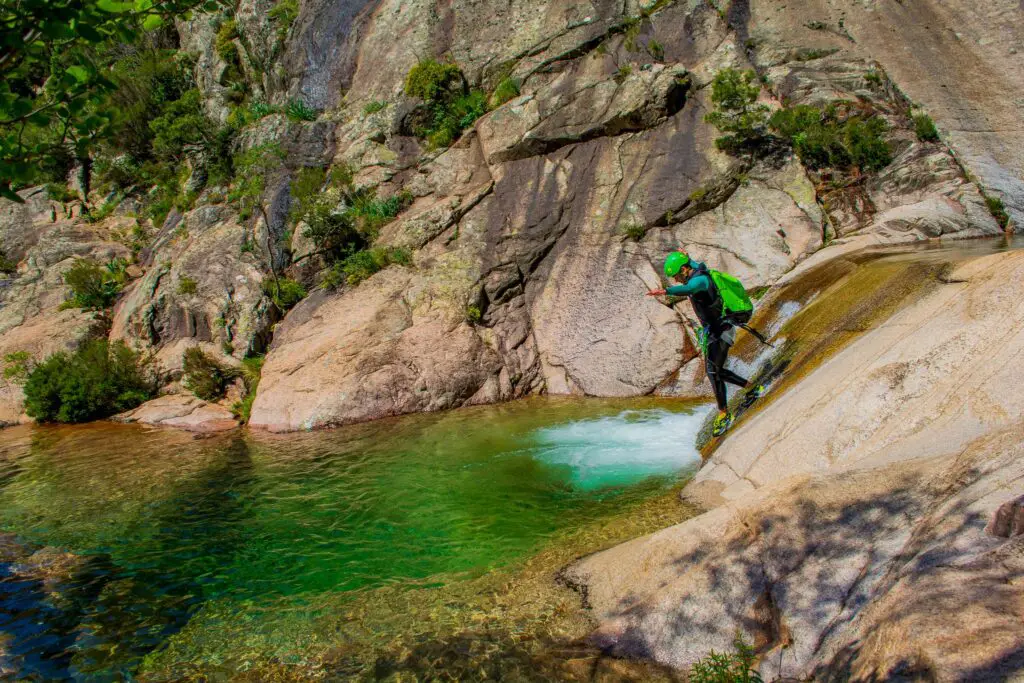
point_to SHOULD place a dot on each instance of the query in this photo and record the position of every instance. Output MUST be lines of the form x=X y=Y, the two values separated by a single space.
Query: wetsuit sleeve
x=696 y=284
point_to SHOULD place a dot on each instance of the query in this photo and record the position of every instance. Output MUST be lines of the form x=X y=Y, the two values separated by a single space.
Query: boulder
x=181 y=411
x=368 y=353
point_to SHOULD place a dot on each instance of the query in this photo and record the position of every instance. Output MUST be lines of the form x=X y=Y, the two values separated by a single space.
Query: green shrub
x=432 y=81
x=453 y=107
x=284 y=292
x=873 y=77
x=17 y=365
x=252 y=368
x=630 y=32
x=224 y=43
x=284 y=14
x=656 y=49
x=186 y=285
x=182 y=126
x=297 y=110
x=374 y=107
x=726 y=667
x=362 y=264
x=506 y=90
x=147 y=81
x=104 y=212
x=925 y=128
x=822 y=140
x=623 y=73
x=369 y=213
x=998 y=210
x=93 y=286
x=204 y=376
x=450 y=118
x=96 y=381
x=473 y=314
x=737 y=113
x=633 y=230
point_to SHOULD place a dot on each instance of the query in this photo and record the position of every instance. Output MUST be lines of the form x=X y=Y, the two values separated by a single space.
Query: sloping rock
x=181 y=411
x=856 y=575
x=188 y=296
x=930 y=379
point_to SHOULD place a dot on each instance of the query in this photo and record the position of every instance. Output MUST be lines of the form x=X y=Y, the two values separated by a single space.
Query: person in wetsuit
x=694 y=281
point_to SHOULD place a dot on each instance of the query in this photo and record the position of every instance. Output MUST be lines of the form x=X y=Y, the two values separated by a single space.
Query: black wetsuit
x=704 y=297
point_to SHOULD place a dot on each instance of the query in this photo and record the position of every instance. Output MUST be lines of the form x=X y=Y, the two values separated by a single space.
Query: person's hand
x=656 y=292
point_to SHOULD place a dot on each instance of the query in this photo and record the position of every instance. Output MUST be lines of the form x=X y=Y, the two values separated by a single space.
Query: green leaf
x=80 y=73
x=143 y=5
x=152 y=22
x=115 y=6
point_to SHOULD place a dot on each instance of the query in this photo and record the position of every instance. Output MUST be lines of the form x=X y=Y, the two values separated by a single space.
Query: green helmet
x=675 y=262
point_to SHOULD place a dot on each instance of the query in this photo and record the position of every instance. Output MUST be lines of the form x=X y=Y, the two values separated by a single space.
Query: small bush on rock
x=734 y=93
x=297 y=110
x=925 y=128
x=727 y=667
x=453 y=106
x=362 y=264
x=284 y=292
x=93 y=286
x=824 y=138
x=284 y=14
x=96 y=381
x=17 y=365
x=506 y=90
x=204 y=376
x=998 y=210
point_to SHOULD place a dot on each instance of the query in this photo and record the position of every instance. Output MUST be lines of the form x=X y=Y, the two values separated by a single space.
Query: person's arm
x=697 y=283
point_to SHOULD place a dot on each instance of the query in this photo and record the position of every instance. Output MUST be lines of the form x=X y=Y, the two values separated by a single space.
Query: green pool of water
x=175 y=535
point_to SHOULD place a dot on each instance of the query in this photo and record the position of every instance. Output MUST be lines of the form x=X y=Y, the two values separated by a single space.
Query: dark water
x=181 y=548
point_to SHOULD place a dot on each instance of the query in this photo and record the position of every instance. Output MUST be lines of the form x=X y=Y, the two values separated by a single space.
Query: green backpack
x=736 y=305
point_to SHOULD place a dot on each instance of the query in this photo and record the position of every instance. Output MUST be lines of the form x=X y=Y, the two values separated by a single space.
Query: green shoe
x=722 y=424
x=752 y=395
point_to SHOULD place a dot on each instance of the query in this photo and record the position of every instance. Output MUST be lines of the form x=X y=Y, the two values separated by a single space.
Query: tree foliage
x=96 y=381
x=56 y=59
x=737 y=113
x=204 y=376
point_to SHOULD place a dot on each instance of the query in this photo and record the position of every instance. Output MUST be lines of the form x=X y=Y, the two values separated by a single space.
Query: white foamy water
x=623 y=448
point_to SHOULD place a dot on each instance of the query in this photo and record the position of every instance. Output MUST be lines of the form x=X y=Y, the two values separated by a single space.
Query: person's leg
x=717 y=351
x=732 y=378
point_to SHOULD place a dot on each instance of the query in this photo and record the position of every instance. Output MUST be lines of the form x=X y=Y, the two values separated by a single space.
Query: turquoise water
x=164 y=526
